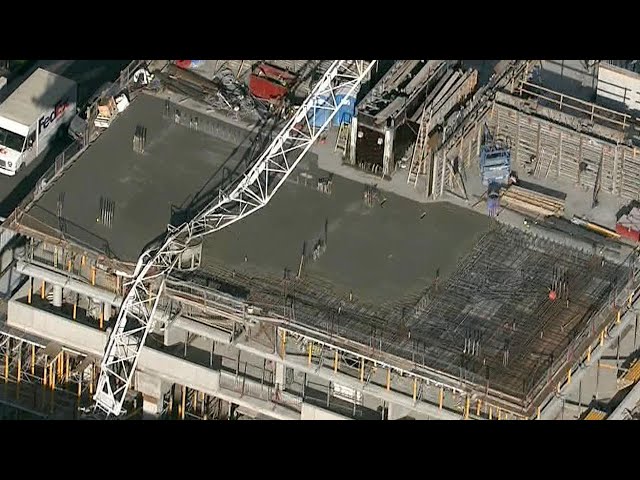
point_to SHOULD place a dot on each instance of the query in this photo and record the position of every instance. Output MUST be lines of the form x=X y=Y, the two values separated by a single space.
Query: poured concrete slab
x=381 y=253
x=144 y=188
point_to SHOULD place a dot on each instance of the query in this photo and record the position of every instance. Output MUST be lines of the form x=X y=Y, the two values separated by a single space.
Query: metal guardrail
x=574 y=106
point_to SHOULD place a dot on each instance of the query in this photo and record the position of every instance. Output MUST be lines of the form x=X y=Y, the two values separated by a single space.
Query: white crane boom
x=249 y=193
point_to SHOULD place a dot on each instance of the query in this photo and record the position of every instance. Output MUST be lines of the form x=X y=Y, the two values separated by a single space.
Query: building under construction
x=341 y=298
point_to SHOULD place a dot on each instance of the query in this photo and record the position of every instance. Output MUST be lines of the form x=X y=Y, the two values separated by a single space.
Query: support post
x=589 y=354
x=490 y=413
x=478 y=408
x=618 y=314
x=6 y=366
x=183 y=403
x=441 y=398
x=75 y=307
x=415 y=389
x=33 y=359
x=310 y=348
x=466 y=407
x=30 y=290
x=388 y=379
x=601 y=338
x=93 y=276
x=387 y=156
x=42 y=290
x=538 y=414
x=362 y=369
x=353 y=139
x=283 y=344
x=335 y=362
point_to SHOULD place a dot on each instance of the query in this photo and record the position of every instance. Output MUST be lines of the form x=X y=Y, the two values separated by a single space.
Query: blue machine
x=495 y=161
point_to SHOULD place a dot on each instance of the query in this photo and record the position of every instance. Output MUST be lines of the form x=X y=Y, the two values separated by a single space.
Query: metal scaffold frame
x=246 y=195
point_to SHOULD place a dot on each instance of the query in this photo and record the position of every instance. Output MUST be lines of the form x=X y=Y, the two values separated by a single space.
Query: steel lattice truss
x=249 y=193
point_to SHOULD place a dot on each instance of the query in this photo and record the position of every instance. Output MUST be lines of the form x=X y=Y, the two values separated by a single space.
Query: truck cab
x=12 y=146
x=31 y=117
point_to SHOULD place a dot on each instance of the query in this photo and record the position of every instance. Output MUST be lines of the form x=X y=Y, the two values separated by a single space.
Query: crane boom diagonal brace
x=249 y=193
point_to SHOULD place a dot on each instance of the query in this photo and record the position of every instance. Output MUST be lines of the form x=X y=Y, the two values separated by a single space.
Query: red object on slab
x=270 y=83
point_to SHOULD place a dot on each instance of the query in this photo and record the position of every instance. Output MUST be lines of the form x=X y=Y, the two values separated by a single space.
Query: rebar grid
x=492 y=323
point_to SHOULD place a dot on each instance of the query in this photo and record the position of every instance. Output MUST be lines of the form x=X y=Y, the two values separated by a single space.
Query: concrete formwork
x=552 y=150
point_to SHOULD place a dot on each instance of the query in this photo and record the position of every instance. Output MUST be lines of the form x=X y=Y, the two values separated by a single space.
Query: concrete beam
x=200 y=329
x=311 y=412
x=68 y=282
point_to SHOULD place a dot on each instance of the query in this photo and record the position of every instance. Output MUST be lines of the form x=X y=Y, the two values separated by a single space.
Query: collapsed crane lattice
x=246 y=195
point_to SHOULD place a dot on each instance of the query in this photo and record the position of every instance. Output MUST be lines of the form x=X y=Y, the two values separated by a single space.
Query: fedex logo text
x=57 y=112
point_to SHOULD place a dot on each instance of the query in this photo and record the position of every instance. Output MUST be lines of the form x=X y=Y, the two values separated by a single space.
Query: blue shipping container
x=346 y=112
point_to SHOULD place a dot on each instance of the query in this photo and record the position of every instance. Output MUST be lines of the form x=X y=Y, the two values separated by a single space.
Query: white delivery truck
x=32 y=115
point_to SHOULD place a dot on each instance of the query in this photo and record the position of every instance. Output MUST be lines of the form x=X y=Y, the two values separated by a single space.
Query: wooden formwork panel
x=466 y=150
x=553 y=151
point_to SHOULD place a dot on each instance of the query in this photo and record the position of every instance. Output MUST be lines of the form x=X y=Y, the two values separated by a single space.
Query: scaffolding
x=46 y=381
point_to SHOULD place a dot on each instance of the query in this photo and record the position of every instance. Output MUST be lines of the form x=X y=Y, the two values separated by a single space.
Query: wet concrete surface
x=90 y=75
x=381 y=253
x=145 y=188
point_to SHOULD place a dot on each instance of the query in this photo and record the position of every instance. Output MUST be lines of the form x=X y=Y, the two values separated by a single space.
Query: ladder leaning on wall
x=419 y=156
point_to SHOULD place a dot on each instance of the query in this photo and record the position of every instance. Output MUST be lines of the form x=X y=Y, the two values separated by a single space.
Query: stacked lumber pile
x=533 y=203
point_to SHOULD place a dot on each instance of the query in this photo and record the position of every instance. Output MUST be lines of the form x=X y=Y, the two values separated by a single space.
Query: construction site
x=269 y=239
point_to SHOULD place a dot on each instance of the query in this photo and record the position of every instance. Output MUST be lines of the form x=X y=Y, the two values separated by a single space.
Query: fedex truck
x=31 y=117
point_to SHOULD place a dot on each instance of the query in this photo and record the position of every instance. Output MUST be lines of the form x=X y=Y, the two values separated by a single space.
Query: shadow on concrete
x=259 y=137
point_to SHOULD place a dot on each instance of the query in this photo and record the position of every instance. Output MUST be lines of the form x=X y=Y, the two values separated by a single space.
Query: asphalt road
x=90 y=75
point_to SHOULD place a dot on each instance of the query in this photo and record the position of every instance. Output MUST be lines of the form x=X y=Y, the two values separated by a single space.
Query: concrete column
x=387 y=158
x=57 y=296
x=97 y=303
x=280 y=374
x=107 y=311
x=353 y=140
x=153 y=390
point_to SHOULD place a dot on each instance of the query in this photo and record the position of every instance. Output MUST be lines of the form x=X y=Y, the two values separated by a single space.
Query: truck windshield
x=11 y=140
